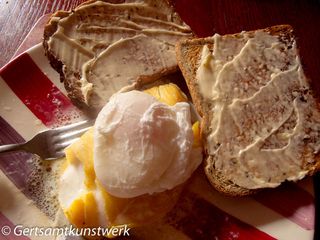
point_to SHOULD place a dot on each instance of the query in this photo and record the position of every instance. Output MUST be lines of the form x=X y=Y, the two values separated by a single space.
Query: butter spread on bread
x=261 y=122
x=122 y=64
x=97 y=46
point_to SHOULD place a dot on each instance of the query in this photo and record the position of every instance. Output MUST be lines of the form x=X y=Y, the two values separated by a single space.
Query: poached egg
x=131 y=166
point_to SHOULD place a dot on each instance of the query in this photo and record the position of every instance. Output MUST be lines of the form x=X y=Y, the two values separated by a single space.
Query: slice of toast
x=260 y=119
x=102 y=46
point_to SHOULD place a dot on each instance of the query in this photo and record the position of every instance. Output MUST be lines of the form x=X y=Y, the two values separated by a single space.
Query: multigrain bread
x=260 y=119
x=102 y=46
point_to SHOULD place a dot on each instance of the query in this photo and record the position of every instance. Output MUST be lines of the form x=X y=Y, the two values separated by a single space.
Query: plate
x=32 y=99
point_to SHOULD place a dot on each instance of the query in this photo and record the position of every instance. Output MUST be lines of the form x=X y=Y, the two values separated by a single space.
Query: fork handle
x=12 y=147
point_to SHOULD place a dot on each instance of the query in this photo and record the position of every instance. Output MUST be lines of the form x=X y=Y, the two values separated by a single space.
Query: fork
x=50 y=144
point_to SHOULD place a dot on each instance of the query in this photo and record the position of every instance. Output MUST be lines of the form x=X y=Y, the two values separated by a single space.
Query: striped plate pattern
x=32 y=99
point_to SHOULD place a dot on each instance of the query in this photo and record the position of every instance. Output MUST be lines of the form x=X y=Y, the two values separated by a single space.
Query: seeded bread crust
x=188 y=55
x=72 y=84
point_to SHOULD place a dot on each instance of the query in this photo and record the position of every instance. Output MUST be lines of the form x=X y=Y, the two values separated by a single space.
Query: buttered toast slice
x=102 y=46
x=260 y=119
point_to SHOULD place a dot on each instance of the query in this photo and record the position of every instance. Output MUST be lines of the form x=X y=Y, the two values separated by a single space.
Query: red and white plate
x=32 y=99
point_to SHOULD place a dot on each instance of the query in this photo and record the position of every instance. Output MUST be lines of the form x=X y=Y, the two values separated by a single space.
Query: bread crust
x=188 y=55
